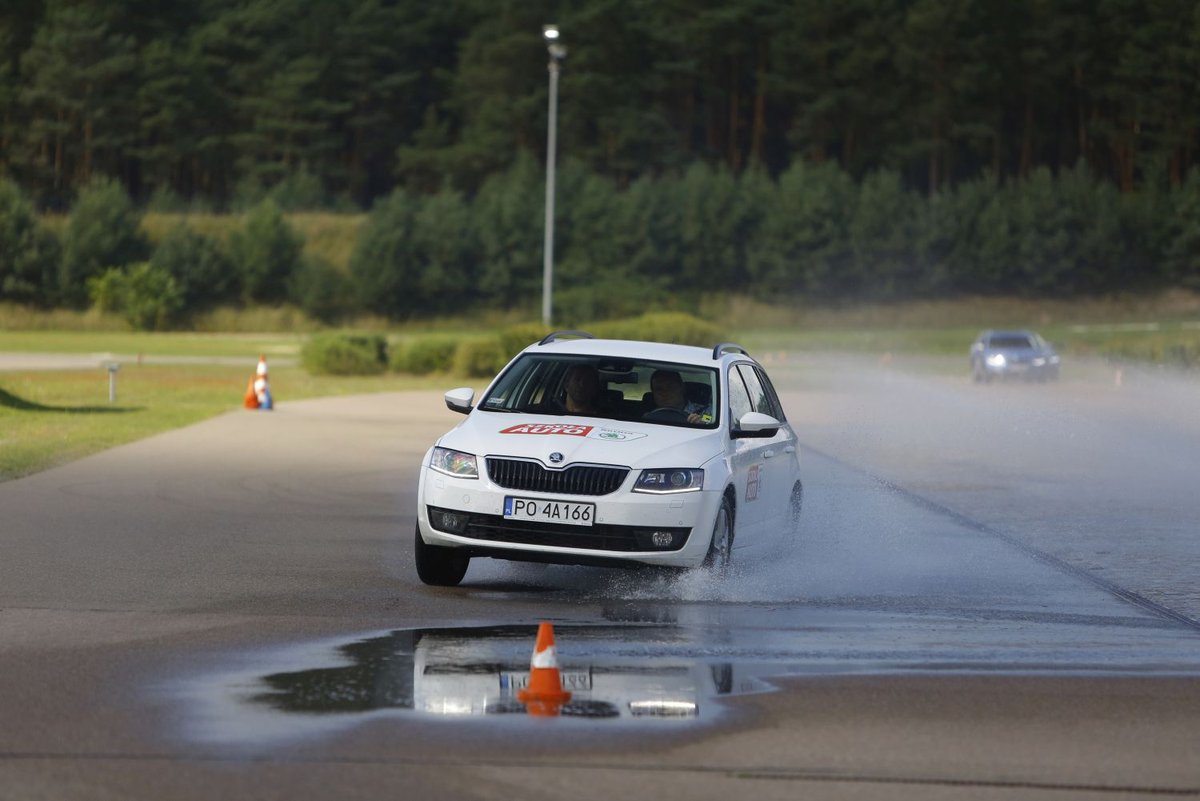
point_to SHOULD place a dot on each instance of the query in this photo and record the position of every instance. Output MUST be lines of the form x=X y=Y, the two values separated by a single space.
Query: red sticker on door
x=548 y=428
x=752 y=483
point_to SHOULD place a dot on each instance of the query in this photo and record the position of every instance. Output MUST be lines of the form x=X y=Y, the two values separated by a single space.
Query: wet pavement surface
x=979 y=576
x=873 y=583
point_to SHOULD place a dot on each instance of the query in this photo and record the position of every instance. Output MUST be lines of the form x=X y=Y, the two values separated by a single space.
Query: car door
x=780 y=461
x=747 y=462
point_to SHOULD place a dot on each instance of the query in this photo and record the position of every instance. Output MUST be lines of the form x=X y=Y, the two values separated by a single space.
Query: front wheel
x=439 y=566
x=797 y=504
x=720 y=549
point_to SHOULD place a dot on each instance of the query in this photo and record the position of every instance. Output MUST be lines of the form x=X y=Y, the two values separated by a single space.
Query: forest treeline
x=877 y=149
x=216 y=102
x=662 y=242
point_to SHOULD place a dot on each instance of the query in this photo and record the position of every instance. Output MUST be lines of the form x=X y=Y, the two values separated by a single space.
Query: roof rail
x=557 y=335
x=728 y=347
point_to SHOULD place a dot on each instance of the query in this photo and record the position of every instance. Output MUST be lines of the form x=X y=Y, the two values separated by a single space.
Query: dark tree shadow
x=12 y=401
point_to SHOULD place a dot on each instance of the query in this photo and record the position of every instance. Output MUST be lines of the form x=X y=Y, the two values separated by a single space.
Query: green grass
x=53 y=417
x=1162 y=328
x=48 y=418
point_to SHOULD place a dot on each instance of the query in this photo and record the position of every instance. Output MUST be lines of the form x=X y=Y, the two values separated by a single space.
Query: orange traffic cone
x=544 y=696
x=250 y=401
x=262 y=365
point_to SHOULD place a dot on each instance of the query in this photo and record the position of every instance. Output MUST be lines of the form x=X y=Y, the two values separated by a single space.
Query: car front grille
x=600 y=537
x=518 y=474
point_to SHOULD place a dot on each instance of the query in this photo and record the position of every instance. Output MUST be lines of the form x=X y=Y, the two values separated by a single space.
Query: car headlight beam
x=454 y=463
x=996 y=360
x=666 y=481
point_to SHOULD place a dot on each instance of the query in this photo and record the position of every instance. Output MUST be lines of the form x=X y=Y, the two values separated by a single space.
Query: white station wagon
x=614 y=453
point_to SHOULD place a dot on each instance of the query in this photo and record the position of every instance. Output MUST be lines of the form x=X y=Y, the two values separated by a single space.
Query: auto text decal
x=591 y=432
x=548 y=428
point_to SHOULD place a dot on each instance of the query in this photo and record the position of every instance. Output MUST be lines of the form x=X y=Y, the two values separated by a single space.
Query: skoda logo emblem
x=556 y=457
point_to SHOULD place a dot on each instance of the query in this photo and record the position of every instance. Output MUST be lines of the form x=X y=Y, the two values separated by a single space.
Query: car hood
x=583 y=440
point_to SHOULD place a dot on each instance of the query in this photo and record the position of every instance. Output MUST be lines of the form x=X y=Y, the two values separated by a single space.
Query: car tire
x=720 y=547
x=439 y=566
x=977 y=373
x=797 y=505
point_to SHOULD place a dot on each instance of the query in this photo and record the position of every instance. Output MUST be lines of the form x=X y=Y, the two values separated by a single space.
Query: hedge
x=345 y=354
x=424 y=355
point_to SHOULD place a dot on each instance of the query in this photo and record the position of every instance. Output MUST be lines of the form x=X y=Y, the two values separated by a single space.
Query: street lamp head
x=550 y=32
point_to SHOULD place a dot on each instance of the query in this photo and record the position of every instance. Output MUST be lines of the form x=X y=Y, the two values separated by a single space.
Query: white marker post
x=113 y=367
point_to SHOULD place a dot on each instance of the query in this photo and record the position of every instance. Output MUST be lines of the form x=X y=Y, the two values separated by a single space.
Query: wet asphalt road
x=991 y=594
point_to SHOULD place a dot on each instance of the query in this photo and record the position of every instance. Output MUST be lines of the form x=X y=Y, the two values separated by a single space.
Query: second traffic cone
x=544 y=696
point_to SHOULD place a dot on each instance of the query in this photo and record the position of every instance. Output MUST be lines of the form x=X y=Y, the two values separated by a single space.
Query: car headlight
x=454 y=463
x=673 y=479
x=1039 y=361
x=996 y=360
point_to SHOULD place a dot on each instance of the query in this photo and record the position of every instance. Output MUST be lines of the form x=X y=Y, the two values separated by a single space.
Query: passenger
x=667 y=388
x=583 y=390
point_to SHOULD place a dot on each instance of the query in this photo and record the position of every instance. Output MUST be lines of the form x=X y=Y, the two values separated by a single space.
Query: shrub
x=424 y=355
x=672 y=327
x=29 y=253
x=201 y=269
x=266 y=251
x=516 y=338
x=382 y=264
x=345 y=354
x=146 y=296
x=102 y=232
x=321 y=291
x=479 y=357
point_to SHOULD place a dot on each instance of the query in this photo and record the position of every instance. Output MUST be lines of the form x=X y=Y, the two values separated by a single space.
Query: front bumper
x=1022 y=371
x=620 y=534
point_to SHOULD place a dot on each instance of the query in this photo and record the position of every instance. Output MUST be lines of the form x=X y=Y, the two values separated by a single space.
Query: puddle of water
x=459 y=674
x=648 y=665
x=479 y=671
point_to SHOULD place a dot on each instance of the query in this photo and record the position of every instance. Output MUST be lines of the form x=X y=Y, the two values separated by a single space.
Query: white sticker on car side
x=615 y=435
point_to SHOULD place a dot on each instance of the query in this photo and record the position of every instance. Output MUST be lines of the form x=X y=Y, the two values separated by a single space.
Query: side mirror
x=755 y=425
x=460 y=400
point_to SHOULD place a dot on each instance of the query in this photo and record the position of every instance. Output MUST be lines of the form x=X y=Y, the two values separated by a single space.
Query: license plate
x=572 y=680
x=573 y=514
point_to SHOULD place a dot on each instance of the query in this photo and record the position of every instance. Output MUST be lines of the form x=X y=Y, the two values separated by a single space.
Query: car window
x=772 y=395
x=1011 y=342
x=739 y=398
x=616 y=388
x=759 y=401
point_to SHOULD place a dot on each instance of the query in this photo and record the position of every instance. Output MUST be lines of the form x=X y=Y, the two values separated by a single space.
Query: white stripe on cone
x=544 y=659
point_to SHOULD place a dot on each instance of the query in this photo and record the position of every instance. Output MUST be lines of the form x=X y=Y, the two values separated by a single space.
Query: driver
x=667 y=388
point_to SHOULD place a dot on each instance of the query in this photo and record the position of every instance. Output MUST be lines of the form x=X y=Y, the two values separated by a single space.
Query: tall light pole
x=557 y=53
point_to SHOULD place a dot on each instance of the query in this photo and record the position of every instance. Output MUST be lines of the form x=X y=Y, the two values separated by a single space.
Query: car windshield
x=1011 y=342
x=631 y=390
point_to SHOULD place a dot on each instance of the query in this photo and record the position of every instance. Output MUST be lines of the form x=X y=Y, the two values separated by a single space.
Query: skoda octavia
x=611 y=453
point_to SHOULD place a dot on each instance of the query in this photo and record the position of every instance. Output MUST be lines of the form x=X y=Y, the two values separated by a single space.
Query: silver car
x=1013 y=354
